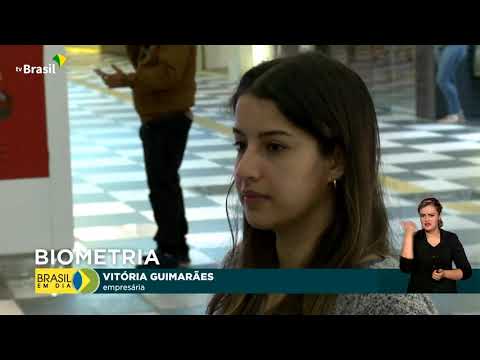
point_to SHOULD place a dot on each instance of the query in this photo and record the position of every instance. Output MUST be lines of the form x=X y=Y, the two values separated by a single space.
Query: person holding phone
x=428 y=254
x=163 y=86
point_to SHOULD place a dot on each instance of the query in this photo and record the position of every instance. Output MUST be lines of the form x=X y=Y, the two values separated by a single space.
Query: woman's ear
x=337 y=163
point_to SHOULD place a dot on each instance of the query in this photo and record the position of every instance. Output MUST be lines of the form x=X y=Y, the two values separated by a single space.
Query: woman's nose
x=247 y=165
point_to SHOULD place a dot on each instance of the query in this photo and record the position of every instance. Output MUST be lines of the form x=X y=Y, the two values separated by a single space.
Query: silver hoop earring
x=335 y=183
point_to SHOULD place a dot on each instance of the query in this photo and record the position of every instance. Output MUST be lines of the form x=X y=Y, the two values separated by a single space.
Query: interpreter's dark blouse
x=427 y=258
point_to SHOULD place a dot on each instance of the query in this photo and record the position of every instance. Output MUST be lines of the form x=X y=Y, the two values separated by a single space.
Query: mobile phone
x=99 y=73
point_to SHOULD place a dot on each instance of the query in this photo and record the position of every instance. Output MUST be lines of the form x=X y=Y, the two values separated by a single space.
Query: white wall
x=218 y=56
x=200 y=57
x=37 y=213
x=241 y=59
x=236 y=58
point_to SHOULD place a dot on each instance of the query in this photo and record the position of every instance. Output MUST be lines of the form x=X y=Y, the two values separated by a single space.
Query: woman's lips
x=253 y=194
x=252 y=197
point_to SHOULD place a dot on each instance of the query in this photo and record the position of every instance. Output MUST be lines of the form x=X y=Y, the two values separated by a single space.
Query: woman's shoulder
x=384 y=304
x=451 y=239
x=449 y=235
x=386 y=262
x=419 y=234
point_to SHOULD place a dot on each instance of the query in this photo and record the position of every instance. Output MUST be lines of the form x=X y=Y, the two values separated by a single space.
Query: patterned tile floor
x=111 y=209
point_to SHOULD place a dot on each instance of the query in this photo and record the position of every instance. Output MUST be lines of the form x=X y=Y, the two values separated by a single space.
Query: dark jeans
x=164 y=141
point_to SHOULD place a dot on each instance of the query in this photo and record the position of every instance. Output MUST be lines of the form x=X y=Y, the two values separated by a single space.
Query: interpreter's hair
x=434 y=202
x=332 y=103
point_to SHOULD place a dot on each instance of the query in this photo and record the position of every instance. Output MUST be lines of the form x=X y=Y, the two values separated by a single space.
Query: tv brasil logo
x=50 y=69
x=66 y=281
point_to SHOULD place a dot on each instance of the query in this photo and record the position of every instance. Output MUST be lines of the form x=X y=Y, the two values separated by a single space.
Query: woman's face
x=429 y=218
x=280 y=173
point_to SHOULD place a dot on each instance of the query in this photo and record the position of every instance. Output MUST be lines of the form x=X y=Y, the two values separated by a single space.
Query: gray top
x=385 y=304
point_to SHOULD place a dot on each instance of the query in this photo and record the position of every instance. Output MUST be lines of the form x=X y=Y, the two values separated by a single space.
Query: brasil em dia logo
x=66 y=281
x=59 y=59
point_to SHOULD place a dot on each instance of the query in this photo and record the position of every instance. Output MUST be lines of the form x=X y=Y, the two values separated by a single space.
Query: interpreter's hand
x=438 y=274
x=115 y=80
x=409 y=227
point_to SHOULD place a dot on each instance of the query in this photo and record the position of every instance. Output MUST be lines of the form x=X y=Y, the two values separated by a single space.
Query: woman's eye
x=273 y=147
